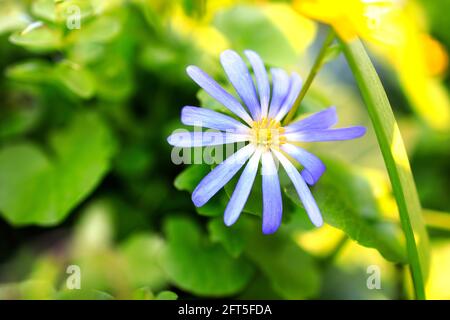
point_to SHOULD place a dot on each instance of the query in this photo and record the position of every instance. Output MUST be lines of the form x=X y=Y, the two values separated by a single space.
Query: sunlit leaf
x=189 y=178
x=61 y=11
x=34 y=71
x=12 y=16
x=54 y=184
x=38 y=36
x=197 y=266
x=76 y=78
x=267 y=27
x=113 y=77
x=166 y=295
x=232 y=241
x=280 y=259
x=347 y=203
x=143 y=255
x=82 y=294
x=100 y=30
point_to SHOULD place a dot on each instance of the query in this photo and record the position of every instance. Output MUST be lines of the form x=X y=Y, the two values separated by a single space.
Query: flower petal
x=272 y=201
x=202 y=139
x=218 y=93
x=313 y=166
x=241 y=80
x=320 y=120
x=280 y=84
x=326 y=134
x=294 y=89
x=206 y=118
x=262 y=81
x=302 y=190
x=220 y=175
x=242 y=190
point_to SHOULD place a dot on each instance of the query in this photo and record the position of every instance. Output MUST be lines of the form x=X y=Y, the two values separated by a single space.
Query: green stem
x=396 y=160
x=312 y=74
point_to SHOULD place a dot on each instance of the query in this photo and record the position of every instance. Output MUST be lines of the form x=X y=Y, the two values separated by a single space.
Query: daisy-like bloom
x=268 y=142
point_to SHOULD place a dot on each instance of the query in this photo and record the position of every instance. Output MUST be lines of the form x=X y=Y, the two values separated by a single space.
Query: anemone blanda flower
x=268 y=142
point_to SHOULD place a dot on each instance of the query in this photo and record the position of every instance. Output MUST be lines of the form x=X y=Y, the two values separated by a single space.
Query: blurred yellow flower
x=396 y=30
x=206 y=36
x=198 y=24
x=347 y=17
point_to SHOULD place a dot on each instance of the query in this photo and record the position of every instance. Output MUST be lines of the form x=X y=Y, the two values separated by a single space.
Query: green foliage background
x=86 y=176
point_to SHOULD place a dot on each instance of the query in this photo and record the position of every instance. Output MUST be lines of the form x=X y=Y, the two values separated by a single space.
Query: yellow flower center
x=268 y=133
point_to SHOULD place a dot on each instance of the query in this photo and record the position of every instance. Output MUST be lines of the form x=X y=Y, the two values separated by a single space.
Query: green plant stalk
x=312 y=74
x=396 y=160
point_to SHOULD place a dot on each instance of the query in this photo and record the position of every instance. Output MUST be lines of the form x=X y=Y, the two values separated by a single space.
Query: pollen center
x=268 y=133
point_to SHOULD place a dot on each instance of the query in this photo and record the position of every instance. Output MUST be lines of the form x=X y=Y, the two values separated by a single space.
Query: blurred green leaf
x=143 y=255
x=72 y=76
x=232 y=241
x=82 y=294
x=54 y=184
x=166 y=295
x=21 y=112
x=144 y=293
x=94 y=230
x=32 y=71
x=292 y=273
x=134 y=160
x=36 y=290
x=12 y=16
x=60 y=11
x=197 y=266
x=113 y=78
x=76 y=78
x=188 y=179
x=264 y=28
x=100 y=30
x=38 y=37
x=346 y=201
x=45 y=9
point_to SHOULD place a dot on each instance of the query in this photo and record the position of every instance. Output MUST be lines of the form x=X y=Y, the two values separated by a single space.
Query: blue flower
x=268 y=142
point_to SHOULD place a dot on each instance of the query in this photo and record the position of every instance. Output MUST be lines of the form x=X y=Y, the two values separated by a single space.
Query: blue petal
x=241 y=80
x=272 y=202
x=313 y=167
x=327 y=134
x=280 y=84
x=302 y=190
x=242 y=190
x=220 y=175
x=206 y=118
x=294 y=90
x=262 y=80
x=203 y=139
x=320 y=120
x=218 y=93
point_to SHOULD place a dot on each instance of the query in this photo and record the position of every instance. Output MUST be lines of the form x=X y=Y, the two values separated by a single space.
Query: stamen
x=268 y=133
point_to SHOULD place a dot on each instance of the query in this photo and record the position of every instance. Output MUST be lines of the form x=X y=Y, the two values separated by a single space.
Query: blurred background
x=89 y=92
